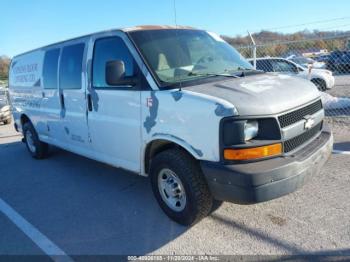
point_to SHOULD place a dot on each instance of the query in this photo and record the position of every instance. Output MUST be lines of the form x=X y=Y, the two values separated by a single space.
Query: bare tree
x=4 y=67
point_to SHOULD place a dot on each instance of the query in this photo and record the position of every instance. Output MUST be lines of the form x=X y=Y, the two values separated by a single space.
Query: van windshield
x=179 y=55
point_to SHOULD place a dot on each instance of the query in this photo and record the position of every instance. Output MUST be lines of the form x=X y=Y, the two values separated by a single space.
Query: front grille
x=297 y=115
x=297 y=141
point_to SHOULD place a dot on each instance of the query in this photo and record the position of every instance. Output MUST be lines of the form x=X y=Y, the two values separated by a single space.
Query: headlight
x=240 y=131
x=251 y=129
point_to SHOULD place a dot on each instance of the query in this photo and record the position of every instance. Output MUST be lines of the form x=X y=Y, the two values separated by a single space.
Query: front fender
x=196 y=153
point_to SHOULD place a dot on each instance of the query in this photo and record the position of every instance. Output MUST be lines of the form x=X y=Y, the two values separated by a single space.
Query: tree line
x=279 y=44
x=4 y=67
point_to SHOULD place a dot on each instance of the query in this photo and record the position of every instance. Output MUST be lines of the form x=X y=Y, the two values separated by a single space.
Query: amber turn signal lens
x=253 y=153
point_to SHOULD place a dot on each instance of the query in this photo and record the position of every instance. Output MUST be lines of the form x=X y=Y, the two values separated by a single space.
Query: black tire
x=8 y=121
x=320 y=84
x=199 y=200
x=40 y=148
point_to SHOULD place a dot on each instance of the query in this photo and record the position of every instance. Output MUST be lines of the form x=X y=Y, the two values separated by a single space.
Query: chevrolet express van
x=176 y=104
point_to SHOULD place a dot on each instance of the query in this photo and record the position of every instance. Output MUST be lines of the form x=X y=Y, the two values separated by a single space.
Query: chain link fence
x=323 y=61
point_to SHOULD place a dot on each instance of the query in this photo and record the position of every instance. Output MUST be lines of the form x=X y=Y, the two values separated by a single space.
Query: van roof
x=126 y=30
x=154 y=27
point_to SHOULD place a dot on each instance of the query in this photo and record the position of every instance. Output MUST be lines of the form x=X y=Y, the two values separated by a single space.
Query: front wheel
x=320 y=84
x=36 y=148
x=180 y=187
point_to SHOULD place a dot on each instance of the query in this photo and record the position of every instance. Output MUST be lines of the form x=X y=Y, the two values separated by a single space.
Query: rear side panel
x=25 y=85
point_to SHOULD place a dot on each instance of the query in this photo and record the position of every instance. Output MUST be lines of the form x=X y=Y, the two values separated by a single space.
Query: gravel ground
x=342 y=86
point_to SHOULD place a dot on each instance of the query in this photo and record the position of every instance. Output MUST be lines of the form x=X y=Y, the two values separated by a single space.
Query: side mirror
x=115 y=74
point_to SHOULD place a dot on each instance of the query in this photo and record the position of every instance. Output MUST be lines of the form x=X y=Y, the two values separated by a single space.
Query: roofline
x=156 y=27
x=67 y=40
x=125 y=30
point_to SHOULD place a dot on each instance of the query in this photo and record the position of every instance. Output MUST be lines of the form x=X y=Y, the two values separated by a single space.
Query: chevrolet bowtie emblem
x=309 y=122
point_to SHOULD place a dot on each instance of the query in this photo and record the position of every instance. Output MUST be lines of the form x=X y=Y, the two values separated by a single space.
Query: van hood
x=261 y=94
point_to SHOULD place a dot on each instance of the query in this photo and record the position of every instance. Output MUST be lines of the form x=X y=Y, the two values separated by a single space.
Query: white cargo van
x=177 y=104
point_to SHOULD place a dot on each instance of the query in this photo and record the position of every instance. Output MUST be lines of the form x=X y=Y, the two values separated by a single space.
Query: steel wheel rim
x=30 y=141
x=171 y=190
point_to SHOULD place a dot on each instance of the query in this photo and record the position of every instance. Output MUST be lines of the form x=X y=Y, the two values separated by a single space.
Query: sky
x=25 y=25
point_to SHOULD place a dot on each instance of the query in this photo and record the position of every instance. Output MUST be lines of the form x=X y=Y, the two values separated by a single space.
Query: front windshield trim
x=182 y=82
x=149 y=69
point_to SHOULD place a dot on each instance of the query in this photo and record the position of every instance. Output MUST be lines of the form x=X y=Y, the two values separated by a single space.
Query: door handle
x=89 y=102
x=62 y=101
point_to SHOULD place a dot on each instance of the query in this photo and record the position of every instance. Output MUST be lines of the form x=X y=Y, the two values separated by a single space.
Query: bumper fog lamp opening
x=253 y=153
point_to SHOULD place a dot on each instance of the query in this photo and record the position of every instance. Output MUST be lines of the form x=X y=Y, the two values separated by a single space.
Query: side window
x=283 y=66
x=263 y=65
x=50 y=68
x=71 y=66
x=109 y=49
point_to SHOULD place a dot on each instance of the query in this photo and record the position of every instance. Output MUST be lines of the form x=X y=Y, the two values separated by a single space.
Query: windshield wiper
x=235 y=73
x=242 y=72
x=211 y=74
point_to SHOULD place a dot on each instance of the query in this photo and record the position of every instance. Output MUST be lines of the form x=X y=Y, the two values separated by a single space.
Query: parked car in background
x=5 y=109
x=306 y=62
x=322 y=58
x=322 y=78
x=339 y=61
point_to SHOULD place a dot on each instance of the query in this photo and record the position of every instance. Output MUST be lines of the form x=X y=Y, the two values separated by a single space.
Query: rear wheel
x=180 y=187
x=320 y=83
x=36 y=148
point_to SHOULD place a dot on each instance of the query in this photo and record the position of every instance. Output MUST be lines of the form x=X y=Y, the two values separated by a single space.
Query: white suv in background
x=322 y=78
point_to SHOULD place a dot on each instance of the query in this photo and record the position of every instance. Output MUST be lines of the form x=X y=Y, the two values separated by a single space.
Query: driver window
x=109 y=49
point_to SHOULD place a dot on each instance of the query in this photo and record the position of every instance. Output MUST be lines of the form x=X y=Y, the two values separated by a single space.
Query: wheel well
x=319 y=83
x=24 y=119
x=320 y=80
x=157 y=146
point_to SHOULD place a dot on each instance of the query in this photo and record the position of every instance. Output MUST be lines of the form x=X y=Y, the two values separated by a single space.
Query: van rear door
x=72 y=96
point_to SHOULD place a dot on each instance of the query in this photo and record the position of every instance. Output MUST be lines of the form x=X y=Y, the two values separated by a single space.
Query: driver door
x=114 y=115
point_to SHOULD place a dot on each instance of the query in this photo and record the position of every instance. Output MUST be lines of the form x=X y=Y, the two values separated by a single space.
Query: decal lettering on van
x=25 y=73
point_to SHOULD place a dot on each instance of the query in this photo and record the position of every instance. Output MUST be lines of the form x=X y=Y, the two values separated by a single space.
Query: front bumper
x=261 y=181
